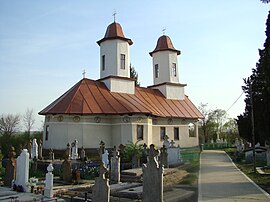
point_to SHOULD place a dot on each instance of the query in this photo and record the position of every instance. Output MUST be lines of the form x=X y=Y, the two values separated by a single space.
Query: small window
x=191 y=130
x=47 y=133
x=139 y=132
x=176 y=133
x=162 y=133
x=174 y=69
x=103 y=62
x=123 y=61
x=156 y=71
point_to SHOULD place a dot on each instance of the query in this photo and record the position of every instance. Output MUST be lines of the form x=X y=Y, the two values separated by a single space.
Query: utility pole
x=252 y=131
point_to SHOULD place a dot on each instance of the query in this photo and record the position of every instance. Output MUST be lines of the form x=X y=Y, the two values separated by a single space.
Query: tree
x=9 y=124
x=257 y=87
x=203 y=109
x=134 y=75
x=265 y=1
x=28 y=120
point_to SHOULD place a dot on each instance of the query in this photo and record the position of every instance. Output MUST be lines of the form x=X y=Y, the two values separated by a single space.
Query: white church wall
x=120 y=85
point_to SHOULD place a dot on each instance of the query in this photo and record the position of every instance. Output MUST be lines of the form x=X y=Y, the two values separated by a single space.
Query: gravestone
x=82 y=155
x=22 y=170
x=105 y=158
x=268 y=157
x=51 y=155
x=115 y=166
x=164 y=157
x=34 y=152
x=166 y=142
x=66 y=165
x=40 y=157
x=48 y=191
x=152 y=178
x=34 y=165
x=101 y=188
x=29 y=147
x=10 y=168
x=74 y=150
x=144 y=153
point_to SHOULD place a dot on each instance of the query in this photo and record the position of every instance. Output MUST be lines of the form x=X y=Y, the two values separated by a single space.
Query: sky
x=46 y=45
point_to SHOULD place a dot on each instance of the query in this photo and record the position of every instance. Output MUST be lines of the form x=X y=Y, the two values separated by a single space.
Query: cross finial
x=114 y=14
x=163 y=30
x=84 y=73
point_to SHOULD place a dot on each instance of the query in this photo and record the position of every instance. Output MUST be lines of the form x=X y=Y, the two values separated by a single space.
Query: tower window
x=47 y=133
x=103 y=62
x=156 y=71
x=123 y=61
x=139 y=132
x=174 y=69
x=162 y=133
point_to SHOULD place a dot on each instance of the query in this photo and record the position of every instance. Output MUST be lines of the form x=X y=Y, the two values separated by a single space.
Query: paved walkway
x=220 y=180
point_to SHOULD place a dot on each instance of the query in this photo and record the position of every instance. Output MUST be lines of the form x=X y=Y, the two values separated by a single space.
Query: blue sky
x=45 y=46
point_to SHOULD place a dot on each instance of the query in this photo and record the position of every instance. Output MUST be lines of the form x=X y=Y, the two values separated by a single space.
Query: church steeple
x=114 y=52
x=165 y=65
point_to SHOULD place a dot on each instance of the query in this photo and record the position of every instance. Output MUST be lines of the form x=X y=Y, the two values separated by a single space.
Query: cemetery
x=109 y=175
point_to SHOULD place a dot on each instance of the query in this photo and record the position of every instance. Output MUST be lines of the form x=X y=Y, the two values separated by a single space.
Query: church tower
x=165 y=69
x=115 y=60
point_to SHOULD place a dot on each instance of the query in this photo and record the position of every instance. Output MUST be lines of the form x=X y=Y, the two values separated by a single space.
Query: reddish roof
x=114 y=31
x=89 y=97
x=164 y=43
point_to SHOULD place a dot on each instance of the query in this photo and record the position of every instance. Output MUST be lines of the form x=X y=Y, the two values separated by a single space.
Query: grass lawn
x=262 y=180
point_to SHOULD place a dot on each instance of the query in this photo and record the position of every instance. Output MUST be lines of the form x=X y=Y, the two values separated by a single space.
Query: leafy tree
x=134 y=75
x=257 y=90
x=28 y=120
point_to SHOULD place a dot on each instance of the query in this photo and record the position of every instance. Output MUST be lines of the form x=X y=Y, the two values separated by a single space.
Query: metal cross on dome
x=114 y=14
x=84 y=72
x=163 y=30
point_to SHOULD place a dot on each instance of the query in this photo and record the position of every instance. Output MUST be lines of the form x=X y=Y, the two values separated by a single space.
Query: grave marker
x=34 y=151
x=10 y=168
x=22 y=170
x=48 y=192
x=115 y=166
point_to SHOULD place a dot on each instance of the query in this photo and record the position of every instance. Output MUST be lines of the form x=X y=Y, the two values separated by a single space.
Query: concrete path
x=220 y=180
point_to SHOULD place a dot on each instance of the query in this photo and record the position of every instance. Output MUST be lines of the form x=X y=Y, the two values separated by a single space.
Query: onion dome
x=115 y=31
x=164 y=43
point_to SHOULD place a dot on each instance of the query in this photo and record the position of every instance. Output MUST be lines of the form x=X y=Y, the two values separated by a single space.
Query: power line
x=235 y=102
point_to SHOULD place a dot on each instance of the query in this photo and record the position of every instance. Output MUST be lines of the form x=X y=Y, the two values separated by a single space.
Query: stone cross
x=115 y=166
x=82 y=154
x=22 y=170
x=67 y=152
x=153 y=178
x=144 y=153
x=166 y=141
x=34 y=152
x=105 y=158
x=10 y=168
x=101 y=188
x=51 y=155
x=164 y=157
x=172 y=143
x=66 y=169
x=74 y=150
x=48 y=191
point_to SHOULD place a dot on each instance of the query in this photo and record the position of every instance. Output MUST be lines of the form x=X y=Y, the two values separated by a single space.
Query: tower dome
x=115 y=31
x=164 y=43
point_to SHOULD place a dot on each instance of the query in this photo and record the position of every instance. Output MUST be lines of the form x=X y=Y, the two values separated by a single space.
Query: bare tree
x=9 y=124
x=28 y=120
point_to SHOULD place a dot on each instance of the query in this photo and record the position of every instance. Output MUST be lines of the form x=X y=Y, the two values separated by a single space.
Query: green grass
x=189 y=179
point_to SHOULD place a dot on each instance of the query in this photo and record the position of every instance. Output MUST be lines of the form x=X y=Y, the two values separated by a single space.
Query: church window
x=191 y=127
x=176 y=133
x=162 y=133
x=156 y=71
x=139 y=132
x=103 y=62
x=174 y=69
x=47 y=133
x=123 y=61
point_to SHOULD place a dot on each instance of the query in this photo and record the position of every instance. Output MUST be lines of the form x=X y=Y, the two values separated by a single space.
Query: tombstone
x=257 y=145
x=115 y=166
x=174 y=157
x=51 y=154
x=164 y=157
x=66 y=169
x=10 y=168
x=67 y=152
x=172 y=143
x=29 y=147
x=152 y=178
x=105 y=158
x=268 y=157
x=35 y=164
x=34 y=151
x=101 y=188
x=48 y=191
x=22 y=170
x=212 y=141
x=144 y=153
x=74 y=150
x=40 y=157
x=101 y=148
x=82 y=155
x=166 y=141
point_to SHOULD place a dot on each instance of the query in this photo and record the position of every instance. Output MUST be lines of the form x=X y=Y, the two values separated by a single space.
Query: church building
x=113 y=110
